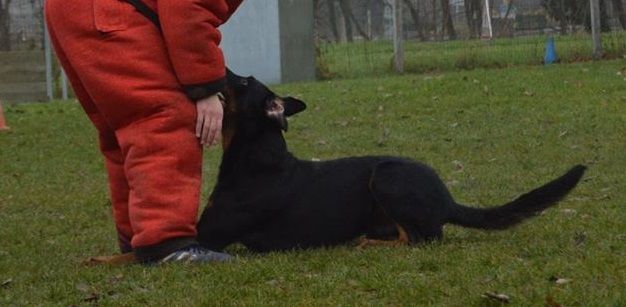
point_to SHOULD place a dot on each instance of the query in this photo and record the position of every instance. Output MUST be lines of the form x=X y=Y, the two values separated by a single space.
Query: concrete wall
x=297 y=40
x=250 y=40
x=271 y=40
x=22 y=76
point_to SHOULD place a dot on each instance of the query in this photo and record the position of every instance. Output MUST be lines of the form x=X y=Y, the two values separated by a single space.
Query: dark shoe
x=195 y=254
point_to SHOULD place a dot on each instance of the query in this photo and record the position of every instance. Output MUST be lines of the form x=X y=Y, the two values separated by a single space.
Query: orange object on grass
x=3 y=123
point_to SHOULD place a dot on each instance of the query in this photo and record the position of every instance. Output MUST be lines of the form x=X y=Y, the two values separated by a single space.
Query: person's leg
x=118 y=188
x=123 y=65
x=113 y=158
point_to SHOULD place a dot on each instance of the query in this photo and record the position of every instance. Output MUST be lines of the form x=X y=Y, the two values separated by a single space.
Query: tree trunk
x=506 y=26
x=416 y=19
x=508 y=10
x=421 y=6
x=474 y=16
x=347 y=23
x=5 y=26
x=478 y=15
x=377 y=8
x=605 y=26
x=562 y=22
x=332 y=18
x=448 y=26
x=468 y=17
x=346 y=9
x=621 y=12
x=316 y=19
x=434 y=18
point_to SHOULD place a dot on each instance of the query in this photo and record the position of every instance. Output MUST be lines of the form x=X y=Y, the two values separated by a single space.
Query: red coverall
x=137 y=85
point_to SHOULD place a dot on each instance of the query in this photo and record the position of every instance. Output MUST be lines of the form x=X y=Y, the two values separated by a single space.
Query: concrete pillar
x=271 y=40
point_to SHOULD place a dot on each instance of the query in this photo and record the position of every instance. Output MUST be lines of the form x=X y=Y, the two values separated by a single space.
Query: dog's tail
x=519 y=209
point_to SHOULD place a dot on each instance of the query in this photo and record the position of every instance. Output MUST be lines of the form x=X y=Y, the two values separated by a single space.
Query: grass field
x=492 y=134
x=357 y=59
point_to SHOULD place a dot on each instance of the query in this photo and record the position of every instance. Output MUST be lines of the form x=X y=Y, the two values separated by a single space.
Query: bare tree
x=505 y=25
x=576 y=12
x=349 y=19
x=317 y=4
x=562 y=18
x=618 y=6
x=332 y=17
x=448 y=26
x=474 y=16
x=434 y=18
x=416 y=18
x=508 y=10
x=377 y=11
x=347 y=23
x=5 y=25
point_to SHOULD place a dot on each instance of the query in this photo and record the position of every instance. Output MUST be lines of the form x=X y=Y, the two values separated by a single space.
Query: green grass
x=350 y=60
x=492 y=134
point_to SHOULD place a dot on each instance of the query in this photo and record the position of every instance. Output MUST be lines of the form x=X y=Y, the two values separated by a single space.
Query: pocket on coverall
x=111 y=15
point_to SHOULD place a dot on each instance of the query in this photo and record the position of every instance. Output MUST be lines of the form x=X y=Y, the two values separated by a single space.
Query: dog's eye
x=244 y=82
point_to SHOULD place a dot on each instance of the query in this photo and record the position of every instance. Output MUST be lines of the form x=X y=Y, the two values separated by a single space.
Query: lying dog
x=269 y=200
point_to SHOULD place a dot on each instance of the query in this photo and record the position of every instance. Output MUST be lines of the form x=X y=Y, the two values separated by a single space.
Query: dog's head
x=252 y=108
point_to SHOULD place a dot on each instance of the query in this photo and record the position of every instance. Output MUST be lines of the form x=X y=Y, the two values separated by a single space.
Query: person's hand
x=209 y=122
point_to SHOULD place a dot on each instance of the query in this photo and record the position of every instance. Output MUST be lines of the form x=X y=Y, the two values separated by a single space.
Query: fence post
x=64 y=92
x=398 y=51
x=595 y=28
x=489 y=25
x=48 y=56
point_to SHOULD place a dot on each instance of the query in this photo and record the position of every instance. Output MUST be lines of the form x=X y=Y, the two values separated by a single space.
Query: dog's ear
x=235 y=81
x=275 y=110
x=231 y=78
x=293 y=106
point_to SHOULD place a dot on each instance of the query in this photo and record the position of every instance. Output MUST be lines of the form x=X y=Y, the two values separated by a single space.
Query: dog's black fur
x=269 y=200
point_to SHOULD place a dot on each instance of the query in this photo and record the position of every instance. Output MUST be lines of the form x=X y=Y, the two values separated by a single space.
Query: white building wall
x=251 y=41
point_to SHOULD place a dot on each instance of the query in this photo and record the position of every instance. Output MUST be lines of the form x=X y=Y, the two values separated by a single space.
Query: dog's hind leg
x=413 y=196
x=401 y=239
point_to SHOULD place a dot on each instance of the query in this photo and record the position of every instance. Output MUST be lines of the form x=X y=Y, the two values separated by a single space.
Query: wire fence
x=24 y=75
x=354 y=38
x=21 y=25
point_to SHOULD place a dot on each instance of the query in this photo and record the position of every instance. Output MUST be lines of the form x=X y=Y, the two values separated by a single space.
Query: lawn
x=353 y=60
x=491 y=134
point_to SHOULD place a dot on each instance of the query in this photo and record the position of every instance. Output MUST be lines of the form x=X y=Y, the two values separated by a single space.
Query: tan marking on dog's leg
x=402 y=236
x=403 y=239
x=115 y=260
x=373 y=242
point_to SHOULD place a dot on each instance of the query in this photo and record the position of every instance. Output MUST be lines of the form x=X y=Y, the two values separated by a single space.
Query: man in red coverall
x=152 y=96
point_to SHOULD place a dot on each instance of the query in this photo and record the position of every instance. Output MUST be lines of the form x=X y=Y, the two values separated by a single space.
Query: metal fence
x=21 y=25
x=25 y=75
x=355 y=37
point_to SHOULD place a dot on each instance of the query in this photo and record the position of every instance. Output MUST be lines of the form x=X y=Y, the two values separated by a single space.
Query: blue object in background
x=550 y=57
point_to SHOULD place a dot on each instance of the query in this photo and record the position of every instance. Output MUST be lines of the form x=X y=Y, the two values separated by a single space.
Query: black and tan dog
x=269 y=200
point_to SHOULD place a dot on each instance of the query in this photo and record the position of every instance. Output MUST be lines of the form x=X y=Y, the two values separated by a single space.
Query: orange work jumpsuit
x=138 y=86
